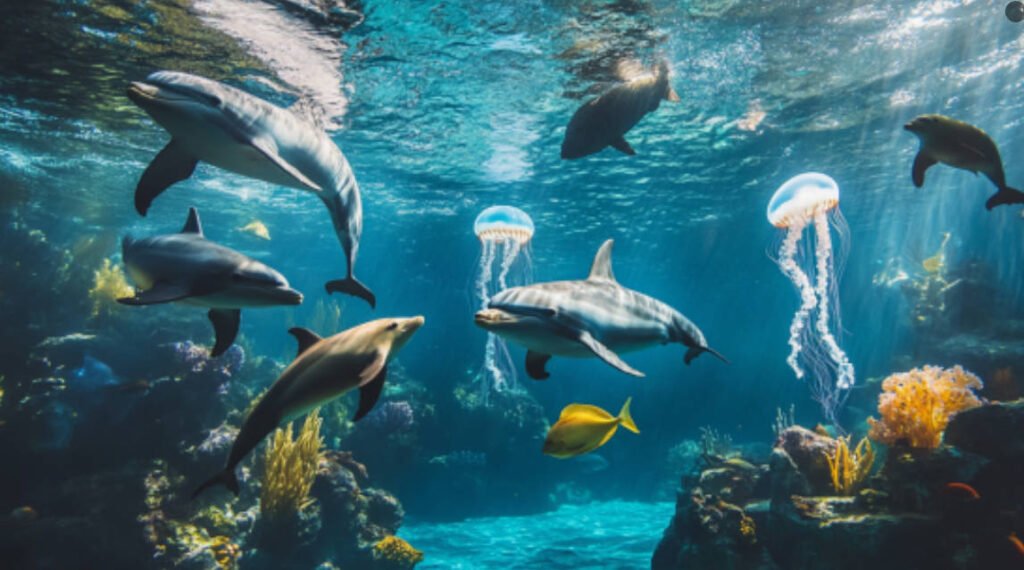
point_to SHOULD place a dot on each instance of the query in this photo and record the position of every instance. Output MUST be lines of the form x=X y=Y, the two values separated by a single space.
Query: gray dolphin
x=324 y=369
x=960 y=145
x=593 y=317
x=229 y=128
x=188 y=268
x=604 y=121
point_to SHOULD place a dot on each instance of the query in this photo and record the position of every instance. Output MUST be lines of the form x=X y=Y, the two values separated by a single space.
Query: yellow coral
x=849 y=470
x=916 y=405
x=748 y=530
x=224 y=552
x=108 y=285
x=396 y=550
x=290 y=469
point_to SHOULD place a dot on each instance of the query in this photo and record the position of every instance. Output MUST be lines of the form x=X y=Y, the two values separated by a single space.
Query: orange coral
x=916 y=405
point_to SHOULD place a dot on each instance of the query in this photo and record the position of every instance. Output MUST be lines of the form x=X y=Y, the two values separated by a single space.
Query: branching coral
x=108 y=285
x=849 y=469
x=290 y=469
x=916 y=405
x=397 y=551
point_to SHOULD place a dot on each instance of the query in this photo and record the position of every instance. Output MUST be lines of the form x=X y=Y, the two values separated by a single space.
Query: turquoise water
x=114 y=414
x=611 y=534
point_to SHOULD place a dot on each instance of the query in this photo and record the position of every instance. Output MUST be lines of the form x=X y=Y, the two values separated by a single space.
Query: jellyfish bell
x=504 y=223
x=802 y=197
x=505 y=233
x=811 y=200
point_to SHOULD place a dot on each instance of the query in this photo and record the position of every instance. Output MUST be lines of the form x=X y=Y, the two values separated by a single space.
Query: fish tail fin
x=696 y=351
x=226 y=477
x=626 y=419
x=351 y=286
x=1005 y=195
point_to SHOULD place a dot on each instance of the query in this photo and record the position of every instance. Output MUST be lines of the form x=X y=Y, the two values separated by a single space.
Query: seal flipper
x=535 y=363
x=1005 y=195
x=226 y=477
x=352 y=286
x=606 y=354
x=225 y=328
x=162 y=292
x=369 y=393
x=921 y=163
x=172 y=164
x=622 y=146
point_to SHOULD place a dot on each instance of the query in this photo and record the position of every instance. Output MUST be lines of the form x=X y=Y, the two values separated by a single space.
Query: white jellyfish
x=505 y=234
x=811 y=200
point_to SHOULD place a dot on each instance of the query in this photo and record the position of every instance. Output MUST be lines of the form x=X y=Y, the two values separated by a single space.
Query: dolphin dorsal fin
x=306 y=338
x=602 y=266
x=192 y=225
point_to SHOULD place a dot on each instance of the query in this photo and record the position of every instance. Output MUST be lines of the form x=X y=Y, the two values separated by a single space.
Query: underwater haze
x=873 y=299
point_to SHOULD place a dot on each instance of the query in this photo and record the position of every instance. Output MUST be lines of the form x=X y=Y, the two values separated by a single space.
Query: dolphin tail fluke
x=626 y=419
x=1005 y=195
x=226 y=477
x=351 y=286
x=696 y=351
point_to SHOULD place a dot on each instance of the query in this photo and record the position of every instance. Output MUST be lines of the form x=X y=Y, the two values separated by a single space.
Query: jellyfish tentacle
x=511 y=252
x=808 y=300
x=823 y=251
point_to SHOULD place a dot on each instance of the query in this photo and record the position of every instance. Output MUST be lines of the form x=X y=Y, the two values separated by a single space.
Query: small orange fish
x=1017 y=543
x=964 y=490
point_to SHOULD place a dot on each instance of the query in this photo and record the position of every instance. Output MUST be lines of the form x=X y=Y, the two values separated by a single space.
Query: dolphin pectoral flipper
x=268 y=149
x=535 y=363
x=225 y=328
x=622 y=146
x=172 y=164
x=606 y=354
x=369 y=393
x=161 y=292
x=921 y=163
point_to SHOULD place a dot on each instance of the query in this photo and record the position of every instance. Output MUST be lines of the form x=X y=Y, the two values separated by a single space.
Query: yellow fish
x=583 y=428
x=256 y=228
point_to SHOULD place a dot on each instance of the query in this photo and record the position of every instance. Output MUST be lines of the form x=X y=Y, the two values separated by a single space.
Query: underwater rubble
x=952 y=506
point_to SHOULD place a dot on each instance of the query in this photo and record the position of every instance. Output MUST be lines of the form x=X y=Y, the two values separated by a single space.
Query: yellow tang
x=583 y=428
x=256 y=228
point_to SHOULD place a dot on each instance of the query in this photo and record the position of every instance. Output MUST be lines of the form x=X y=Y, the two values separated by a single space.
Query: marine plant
x=108 y=285
x=290 y=467
x=397 y=551
x=849 y=469
x=916 y=406
x=715 y=443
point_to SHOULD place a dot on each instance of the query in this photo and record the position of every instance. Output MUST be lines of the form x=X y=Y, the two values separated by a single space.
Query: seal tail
x=696 y=351
x=226 y=477
x=351 y=286
x=1005 y=195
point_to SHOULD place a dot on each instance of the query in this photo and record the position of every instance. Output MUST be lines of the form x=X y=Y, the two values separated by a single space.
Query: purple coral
x=198 y=361
x=391 y=417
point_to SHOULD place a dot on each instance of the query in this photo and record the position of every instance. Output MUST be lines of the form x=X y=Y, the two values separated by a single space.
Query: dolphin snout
x=415 y=323
x=290 y=296
x=139 y=91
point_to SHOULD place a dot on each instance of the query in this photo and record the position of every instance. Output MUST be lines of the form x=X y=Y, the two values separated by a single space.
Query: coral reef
x=399 y=553
x=849 y=469
x=290 y=467
x=916 y=406
x=109 y=285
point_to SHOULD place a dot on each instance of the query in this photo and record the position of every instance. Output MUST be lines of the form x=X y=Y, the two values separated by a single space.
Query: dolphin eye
x=393 y=325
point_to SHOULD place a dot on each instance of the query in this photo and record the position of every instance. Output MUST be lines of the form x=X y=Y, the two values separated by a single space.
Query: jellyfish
x=810 y=202
x=505 y=234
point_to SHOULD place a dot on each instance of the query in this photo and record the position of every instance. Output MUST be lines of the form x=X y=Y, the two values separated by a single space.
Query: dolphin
x=188 y=268
x=604 y=121
x=960 y=145
x=233 y=130
x=593 y=317
x=323 y=370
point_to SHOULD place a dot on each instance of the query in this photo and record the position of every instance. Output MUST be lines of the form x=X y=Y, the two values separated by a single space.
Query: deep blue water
x=445 y=109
